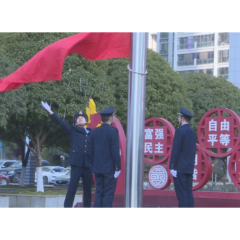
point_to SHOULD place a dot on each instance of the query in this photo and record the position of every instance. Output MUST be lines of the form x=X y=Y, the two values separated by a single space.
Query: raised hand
x=45 y=105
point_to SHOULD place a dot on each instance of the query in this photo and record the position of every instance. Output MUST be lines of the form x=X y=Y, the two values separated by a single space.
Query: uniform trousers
x=105 y=189
x=183 y=189
x=76 y=173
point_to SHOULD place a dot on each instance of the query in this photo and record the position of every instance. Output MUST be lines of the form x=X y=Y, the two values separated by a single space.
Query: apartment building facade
x=204 y=52
x=234 y=59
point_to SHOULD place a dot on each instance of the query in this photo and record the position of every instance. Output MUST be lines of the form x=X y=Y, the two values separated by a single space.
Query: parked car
x=15 y=170
x=45 y=163
x=49 y=173
x=64 y=179
x=10 y=171
x=6 y=163
x=4 y=180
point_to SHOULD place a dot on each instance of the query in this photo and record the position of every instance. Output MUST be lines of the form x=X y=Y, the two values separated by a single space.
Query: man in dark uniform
x=182 y=159
x=78 y=157
x=105 y=156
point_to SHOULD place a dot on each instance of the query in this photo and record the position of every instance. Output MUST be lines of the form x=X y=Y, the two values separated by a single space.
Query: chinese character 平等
x=224 y=139
x=212 y=138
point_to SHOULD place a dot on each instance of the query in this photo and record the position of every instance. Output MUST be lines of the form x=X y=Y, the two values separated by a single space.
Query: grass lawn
x=31 y=190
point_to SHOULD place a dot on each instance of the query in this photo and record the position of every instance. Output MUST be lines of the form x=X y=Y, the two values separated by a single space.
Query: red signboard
x=234 y=167
x=202 y=168
x=218 y=132
x=158 y=177
x=158 y=138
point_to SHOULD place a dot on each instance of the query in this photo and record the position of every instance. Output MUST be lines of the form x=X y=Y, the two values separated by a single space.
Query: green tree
x=207 y=92
x=66 y=96
x=166 y=91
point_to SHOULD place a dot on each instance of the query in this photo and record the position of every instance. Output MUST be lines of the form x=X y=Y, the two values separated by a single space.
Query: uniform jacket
x=105 y=151
x=80 y=143
x=183 y=150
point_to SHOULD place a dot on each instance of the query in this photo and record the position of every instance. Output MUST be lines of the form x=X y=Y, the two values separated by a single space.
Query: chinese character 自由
x=224 y=125
x=212 y=125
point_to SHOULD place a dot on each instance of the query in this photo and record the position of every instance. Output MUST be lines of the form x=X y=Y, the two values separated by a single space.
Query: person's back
x=105 y=146
x=105 y=158
x=185 y=163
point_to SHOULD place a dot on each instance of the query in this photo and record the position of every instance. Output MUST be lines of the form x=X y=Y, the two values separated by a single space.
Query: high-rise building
x=205 y=52
x=234 y=59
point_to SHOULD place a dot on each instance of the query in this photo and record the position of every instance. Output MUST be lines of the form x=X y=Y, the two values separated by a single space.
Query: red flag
x=47 y=64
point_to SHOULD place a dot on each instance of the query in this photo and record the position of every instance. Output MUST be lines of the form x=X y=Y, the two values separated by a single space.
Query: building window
x=204 y=40
x=185 y=59
x=223 y=56
x=204 y=57
x=154 y=42
x=206 y=71
x=164 y=35
x=190 y=71
x=185 y=43
x=164 y=48
x=223 y=72
x=209 y=71
x=201 y=41
x=223 y=39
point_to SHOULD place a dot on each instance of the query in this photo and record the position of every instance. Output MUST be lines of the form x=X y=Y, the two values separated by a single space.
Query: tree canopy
x=106 y=81
x=207 y=92
x=166 y=91
x=81 y=79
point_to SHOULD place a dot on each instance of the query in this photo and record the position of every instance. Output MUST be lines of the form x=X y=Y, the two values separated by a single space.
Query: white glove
x=173 y=172
x=45 y=105
x=116 y=174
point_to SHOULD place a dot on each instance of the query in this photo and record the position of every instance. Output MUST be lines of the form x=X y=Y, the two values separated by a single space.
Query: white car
x=65 y=179
x=7 y=163
x=49 y=173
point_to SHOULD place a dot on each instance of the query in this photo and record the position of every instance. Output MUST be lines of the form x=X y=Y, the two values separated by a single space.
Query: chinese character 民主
x=158 y=148
x=148 y=147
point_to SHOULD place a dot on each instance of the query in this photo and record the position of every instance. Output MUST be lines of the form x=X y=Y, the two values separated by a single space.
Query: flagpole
x=135 y=120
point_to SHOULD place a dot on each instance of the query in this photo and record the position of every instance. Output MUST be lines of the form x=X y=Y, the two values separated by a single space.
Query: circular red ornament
x=234 y=167
x=158 y=139
x=218 y=132
x=158 y=177
x=202 y=169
